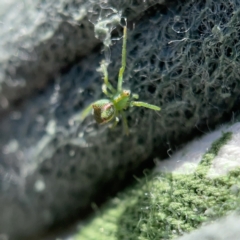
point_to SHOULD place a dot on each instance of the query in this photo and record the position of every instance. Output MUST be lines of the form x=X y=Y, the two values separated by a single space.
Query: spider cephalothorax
x=119 y=99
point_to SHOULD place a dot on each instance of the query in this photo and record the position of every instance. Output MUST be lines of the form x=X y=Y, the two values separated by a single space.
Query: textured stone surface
x=184 y=59
x=227 y=228
x=38 y=39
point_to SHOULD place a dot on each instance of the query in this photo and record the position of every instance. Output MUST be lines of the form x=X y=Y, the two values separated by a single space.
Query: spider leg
x=135 y=96
x=146 y=105
x=105 y=91
x=81 y=116
x=125 y=124
x=115 y=123
x=124 y=53
x=105 y=74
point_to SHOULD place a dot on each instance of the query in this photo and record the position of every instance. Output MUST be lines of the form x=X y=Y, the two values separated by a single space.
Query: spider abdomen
x=103 y=111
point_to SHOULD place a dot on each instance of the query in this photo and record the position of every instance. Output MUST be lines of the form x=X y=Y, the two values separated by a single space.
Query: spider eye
x=103 y=111
x=126 y=93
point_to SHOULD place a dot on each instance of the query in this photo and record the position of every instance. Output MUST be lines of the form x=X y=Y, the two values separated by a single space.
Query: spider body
x=106 y=110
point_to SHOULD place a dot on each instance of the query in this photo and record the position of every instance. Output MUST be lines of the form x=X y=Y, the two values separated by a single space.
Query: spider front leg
x=105 y=78
x=105 y=91
x=124 y=54
x=146 y=105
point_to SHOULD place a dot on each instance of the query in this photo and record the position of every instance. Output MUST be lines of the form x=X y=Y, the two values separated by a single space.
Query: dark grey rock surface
x=38 y=39
x=182 y=57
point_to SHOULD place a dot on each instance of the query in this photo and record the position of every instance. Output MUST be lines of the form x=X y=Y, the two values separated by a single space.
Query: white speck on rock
x=39 y=186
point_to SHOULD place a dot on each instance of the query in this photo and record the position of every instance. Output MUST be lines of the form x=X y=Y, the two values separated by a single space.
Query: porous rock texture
x=182 y=57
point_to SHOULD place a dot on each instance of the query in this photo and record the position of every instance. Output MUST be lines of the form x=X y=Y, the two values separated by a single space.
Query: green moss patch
x=164 y=205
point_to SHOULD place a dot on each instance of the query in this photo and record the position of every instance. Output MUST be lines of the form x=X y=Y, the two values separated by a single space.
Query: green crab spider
x=118 y=100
